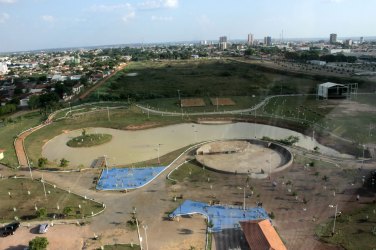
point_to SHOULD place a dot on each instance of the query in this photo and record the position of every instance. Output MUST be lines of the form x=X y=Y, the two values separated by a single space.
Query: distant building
x=361 y=40
x=268 y=41
x=330 y=90
x=223 y=42
x=3 y=68
x=333 y=38
x=77 y=88
x=336 y=51
x=250 y=39
x=349 y=42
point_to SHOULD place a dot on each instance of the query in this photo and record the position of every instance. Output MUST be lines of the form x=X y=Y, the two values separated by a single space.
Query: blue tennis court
x=127 y=178
x=222 y=217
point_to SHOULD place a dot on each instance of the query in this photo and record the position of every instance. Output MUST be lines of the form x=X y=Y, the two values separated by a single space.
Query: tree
x=41 y=212
x=34 y=102
x=42 y=162
x=67 y=211
x=38 y=243
x=64 y=163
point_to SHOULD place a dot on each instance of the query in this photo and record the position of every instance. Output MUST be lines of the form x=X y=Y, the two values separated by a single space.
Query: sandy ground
x=128 y=147
x=251 y=160
x=60 y=237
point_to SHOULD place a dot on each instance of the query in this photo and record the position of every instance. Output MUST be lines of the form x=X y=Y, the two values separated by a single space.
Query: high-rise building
x=223 y=42
x=349 y=42
x=333 y=38
x=361 y=40
x=250 y=39
x=267 y=41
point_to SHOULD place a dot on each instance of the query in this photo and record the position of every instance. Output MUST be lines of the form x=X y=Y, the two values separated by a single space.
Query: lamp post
x=159 y=145
x=335 y=217
x=243 y=197
x=146 y=236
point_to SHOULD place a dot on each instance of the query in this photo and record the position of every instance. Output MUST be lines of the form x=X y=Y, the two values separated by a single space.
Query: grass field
x=89 y=140
x=25 y=203
x=353 y=231
x=171 y=104
x=191 y=171
x=10 y=130
x=350 y=120
x=204 y=78
x=122 y=247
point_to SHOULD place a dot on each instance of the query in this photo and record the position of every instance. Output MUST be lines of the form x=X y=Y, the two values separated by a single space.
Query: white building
x=317 y=62
x=3 y=68
x=250 y=39
x=336 y=51
x=332 y=90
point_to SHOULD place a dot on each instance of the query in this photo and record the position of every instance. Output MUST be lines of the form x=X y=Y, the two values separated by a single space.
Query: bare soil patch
x=222 y=102
x=192 y=102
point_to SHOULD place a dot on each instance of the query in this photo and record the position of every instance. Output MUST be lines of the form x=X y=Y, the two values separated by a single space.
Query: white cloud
x=48 y=18
x=4 y=17
x=8 y=1
x=162 y=18
x=130 y=15
x=109 y=7
x=333 y=1
x=158 y=4
x=171 y=3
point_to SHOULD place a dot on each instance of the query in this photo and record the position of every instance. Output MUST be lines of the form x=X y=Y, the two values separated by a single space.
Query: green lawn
x=122 y=247
x=10 y=130
x=203 y=78
x=25 y=203
x=353 y=231
x=349 y=124
x=171 y=104
x=191 y=171
x=89 y=140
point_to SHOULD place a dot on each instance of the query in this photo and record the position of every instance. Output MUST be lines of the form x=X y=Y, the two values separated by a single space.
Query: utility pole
x=108 y=113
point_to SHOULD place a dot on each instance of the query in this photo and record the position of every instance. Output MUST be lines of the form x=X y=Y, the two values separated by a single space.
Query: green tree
x=67 y=211
x=38 y=243
x=64 y=163
x=34 y=102
x=41 y=212
x=42 y=162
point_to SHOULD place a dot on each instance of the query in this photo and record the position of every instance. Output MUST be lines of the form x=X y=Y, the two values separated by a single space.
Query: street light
x=335 y=217
x=243 y=197
x=159 y=145
x=146 y=236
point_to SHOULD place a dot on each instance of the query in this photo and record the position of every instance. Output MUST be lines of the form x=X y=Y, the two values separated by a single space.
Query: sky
x=43 y=24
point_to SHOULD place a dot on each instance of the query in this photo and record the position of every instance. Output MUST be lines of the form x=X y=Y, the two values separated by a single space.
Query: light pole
x=364 y=147
x=105 y=163
x=335 y=217
x=179 y=94
x=31 y=175
x=243 y=196
x=159 y=145
x=146 y=236
x=138 y=231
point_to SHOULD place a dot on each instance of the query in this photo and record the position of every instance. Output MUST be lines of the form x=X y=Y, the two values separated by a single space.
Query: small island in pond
x=88 y=140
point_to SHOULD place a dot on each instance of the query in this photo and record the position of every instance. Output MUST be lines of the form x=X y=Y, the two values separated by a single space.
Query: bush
x=41 y=213
x=38 y=243
x=42 y=162
x=271 y=215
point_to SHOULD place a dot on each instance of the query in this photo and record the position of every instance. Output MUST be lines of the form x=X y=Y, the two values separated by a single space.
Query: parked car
x=43 y=228
x=9 y=229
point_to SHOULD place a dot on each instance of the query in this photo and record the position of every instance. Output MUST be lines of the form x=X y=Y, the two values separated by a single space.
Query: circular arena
x=252 y=157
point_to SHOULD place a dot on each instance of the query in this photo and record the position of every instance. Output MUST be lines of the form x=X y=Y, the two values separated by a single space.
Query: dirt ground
x=300 y=203
x=346 y=107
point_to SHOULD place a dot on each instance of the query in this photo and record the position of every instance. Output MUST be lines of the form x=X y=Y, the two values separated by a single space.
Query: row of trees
x=315 y=55
x=7 y=109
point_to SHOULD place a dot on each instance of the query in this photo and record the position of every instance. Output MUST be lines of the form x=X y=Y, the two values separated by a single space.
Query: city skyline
x=44 y=24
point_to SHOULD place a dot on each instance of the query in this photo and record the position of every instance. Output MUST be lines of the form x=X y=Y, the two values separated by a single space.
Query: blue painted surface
x=222 y=217
x=127 y=178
